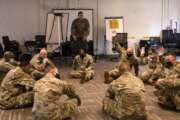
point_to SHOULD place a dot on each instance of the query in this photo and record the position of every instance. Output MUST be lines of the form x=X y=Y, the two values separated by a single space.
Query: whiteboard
x=112 y=25
x=73 y=14
x=56 y=30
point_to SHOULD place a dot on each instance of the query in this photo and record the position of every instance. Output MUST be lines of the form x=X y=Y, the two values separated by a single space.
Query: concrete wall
x=22 y=19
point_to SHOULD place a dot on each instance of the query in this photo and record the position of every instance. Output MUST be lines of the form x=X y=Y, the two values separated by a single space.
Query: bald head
x=130 y=50
x=43 y=53
x=124 y=66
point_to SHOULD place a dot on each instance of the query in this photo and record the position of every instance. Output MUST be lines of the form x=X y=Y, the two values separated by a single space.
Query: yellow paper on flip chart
x=114 y=24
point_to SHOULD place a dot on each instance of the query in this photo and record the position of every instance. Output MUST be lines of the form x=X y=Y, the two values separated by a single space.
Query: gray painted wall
x=22 y=19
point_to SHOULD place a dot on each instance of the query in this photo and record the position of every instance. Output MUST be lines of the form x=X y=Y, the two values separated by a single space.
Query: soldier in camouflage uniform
x=16 y=90
x=80 y=27
x=54 y=99
x=134 y=62
x=125 y=96
x=6 y=64
x=117 y=47
x=168 y=89
x=155 y=70
x=41 y=65
x=124 y=55
x=83 y=66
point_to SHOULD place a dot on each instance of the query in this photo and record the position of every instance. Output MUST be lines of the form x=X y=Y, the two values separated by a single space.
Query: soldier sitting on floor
x=125 y=96
x=168 y=89
x=125 y=55
x=54 y=99
x=155 y=69
x=6 y=64
x=16 y=90
x=41 y=65
x=83 y=66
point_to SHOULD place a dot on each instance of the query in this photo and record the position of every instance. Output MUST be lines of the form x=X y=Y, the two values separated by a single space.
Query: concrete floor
x=92 y=94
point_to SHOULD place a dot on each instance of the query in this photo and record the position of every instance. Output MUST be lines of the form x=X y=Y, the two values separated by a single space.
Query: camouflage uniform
x=54 y=99
x=4 y=68
x=134 y=63
x=80 y=28
x=16 y=90
x=114 y=73
x=121 y=50
x=125 y=98
x=83 y=68
x=155 y=70
x=39 y=68
x=168 y=89
x=6 y=64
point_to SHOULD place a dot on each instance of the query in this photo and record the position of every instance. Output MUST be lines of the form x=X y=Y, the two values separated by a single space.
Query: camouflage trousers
x=2 y=75
x=36 y=75
x=152 y=116
x=169 y=98
x=56 y=111
x=114 y=74
x=151 y=76
x=112 y=108
x=111 y=75
x=85 y=75
x=18 y=101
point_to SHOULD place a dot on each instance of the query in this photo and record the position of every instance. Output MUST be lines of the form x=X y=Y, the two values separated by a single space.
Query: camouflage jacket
x=126 y=82
x=39 y=64
x=49 y=93
x=127 y=92
x=15 y=83
x=86 y=62
x=5 y=66
x=80 y=28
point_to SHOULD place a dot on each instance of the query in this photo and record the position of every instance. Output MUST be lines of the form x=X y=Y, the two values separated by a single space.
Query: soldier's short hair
x=8 y=55
x=25 y=59
x=80 y=12
x=124 y=62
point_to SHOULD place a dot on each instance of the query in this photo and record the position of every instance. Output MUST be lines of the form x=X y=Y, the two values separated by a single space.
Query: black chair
x=146 y=44
x=177 y=39
x=40 y=42
x=155 y=41
x=66 y=49
x=77 y=45
x=11 y=45
x=30 y=45
x=91 y=47
x=168 y=40
x=1 y=51
x=123 y=39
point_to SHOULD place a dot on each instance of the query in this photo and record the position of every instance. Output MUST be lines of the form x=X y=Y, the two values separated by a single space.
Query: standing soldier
x=134 y=62
x=80 y=27
x=16 y=90
x=83 y=66
x=54 y=99
x=125 y=96
x=41 y=64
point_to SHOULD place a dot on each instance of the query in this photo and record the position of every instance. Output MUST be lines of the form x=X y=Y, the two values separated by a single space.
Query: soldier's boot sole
x=68 y=118
x=83 y=78
x=106 y=77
